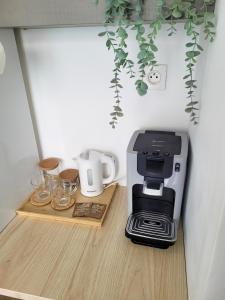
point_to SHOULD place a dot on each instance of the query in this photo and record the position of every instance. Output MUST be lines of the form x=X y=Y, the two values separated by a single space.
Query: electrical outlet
x=156 y=77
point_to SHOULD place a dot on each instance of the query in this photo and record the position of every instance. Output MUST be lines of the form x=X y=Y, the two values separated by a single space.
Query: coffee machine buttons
x=177 y=167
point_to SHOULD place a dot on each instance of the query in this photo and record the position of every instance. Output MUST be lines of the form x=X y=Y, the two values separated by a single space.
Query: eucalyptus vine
x=122 y=14
x=147 y=46
x=118 y=12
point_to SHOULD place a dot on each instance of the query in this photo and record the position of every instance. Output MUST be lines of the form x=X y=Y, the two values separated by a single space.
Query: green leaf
x=121 y=54
x=190 y=65
x=141 y=30
x=189 y=45
x=153 y=47
x=210 y=24
x=200 y=48
x=108 y=44
x=122 y=33
x=153 y=62
x=111 y=33
x=142 y=54
x=192 y=103
x=117 y=108
x=102 y=33
x=114 y=80
x=196 y=53
x=141 y=87
x=189 y=82
x=188 y=109
x=192 y=54
x=144 y=46
x=176 y=13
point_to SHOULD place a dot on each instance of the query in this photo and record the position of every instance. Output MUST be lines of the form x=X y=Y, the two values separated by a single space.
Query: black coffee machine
x=156 y=169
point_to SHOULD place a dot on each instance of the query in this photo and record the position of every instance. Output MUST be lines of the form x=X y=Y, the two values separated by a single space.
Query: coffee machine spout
x=153 y=188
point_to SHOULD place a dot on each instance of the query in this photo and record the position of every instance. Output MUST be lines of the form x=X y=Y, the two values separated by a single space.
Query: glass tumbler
x=68 y=185
x=42 y=191
x=64 y=193
x=50 y=168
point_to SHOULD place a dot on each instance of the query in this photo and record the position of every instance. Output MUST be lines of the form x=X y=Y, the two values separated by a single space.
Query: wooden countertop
x=68 y=261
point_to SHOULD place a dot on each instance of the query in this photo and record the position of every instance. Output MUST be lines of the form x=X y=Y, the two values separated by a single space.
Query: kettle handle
x=111 y=163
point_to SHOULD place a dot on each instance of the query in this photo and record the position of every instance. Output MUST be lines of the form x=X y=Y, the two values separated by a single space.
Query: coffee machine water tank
x=156 y=170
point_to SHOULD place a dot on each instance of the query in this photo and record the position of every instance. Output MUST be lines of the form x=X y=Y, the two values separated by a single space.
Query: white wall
x=205 y=207
x=69 y=71
x=18 y=149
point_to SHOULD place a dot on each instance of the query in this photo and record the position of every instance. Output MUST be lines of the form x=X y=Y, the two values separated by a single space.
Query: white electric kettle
x=91 y=171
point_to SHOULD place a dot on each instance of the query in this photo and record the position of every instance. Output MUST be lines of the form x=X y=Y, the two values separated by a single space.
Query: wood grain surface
x=70 y=261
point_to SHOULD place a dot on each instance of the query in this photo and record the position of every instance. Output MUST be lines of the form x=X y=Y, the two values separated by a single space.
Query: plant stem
x=193 y=51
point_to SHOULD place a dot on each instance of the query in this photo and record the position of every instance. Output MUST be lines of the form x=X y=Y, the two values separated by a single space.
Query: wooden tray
x=47 y=212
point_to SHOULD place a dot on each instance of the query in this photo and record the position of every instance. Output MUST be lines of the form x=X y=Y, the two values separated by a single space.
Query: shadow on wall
x=187 y=180
x=28 y=91
x=20 y=174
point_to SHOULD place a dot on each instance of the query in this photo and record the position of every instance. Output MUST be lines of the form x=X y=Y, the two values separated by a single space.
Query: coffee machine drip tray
x=151 y=228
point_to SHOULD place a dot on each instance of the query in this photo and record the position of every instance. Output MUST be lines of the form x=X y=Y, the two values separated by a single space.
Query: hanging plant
x=123 y=14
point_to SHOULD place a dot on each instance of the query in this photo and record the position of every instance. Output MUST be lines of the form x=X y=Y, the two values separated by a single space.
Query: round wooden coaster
x=55 y=206
x=34 y=201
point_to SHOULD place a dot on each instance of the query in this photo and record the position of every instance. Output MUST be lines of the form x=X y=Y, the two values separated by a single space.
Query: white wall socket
x=156 y=77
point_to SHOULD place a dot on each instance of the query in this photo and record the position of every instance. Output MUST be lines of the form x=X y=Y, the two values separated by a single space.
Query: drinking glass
x=40 y=184
x=65 y=192
x=68 y=183
x=50 y=169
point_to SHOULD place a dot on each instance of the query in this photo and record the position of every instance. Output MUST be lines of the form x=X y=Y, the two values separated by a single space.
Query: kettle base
x=91 y=194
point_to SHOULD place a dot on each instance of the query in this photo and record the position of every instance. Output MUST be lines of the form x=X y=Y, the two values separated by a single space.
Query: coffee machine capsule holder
x=156 y=169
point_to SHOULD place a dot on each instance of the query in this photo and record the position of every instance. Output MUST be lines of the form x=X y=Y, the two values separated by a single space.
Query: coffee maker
x=156 y=169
